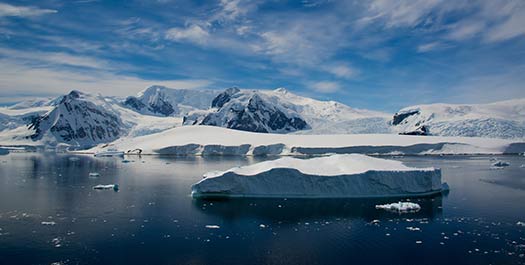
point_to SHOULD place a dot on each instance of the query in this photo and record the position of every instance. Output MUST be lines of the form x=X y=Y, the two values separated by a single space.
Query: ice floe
x=500 y=163
x=400 y=207
x=335 y=176
x=114 y=187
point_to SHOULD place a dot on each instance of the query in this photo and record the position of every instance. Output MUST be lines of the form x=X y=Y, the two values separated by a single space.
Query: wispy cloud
x=325 y=86
x=54 y=58
x=7 y=10
x=192 y=33
x=341 y=70
x=16 y=79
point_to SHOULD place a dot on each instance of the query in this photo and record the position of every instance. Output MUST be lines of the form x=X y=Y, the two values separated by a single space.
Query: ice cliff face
x=505 y=119
x=252 y=111
x=78 y=119
x=163 y=101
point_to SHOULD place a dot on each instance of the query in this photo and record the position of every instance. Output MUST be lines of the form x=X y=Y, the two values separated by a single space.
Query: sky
x=379 y=54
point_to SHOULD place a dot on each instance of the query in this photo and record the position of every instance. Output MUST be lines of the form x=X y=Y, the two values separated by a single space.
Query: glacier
x=504 y=119
x=334 y=176
x=211 y=140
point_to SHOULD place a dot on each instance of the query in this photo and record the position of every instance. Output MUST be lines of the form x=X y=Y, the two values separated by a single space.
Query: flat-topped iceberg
x=335 y=176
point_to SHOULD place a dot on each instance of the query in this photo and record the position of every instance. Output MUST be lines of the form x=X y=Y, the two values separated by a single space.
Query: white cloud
x=55 y=58
x=512 y=27
x=192 y=33
x=342 y=71
x=466 y=30
x=429 y=46
x=401 y=13
x=7 y=10
x=18 y=79
x=325 y=86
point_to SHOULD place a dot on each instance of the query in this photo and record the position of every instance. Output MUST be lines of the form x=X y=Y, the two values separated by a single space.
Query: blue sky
x=380 y=54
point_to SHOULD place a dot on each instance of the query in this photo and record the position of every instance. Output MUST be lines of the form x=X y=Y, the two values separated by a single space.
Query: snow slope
x=279 y=111
x=210 y=140
x=350 y=175
x=505 y=119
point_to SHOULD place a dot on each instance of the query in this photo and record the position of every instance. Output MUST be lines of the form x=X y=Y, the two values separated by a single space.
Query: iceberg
x=334 y=176
x=106 y=187
x=400 y=207
x=110 y=152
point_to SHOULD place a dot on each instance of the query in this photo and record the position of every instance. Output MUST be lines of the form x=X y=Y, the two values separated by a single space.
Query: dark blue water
x=153 y=220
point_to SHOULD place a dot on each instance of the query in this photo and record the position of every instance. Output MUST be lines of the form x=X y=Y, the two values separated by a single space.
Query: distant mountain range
x=83 y=120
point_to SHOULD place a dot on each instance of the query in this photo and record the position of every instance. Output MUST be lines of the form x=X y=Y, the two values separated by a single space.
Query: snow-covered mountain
x=249 y=110
x=280 y=111
x=79 y=119
x=163 y=101
x=82 y=120
x=504 y=119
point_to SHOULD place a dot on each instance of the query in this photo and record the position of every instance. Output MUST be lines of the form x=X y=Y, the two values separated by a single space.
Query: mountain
x=249 y=110
x=504 y=119
x=163 y=101
x=280 y=111
x=79 y=119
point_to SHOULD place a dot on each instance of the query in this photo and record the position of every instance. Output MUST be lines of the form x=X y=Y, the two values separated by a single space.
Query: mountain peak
x=281 y=90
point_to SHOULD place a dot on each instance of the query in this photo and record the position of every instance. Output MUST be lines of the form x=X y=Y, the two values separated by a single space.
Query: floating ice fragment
x=412 y=228
x=400 y=207
x=501 y=164
x=48 y=223
x=212 y=226
x=262 y=226
x=520 y=223
x=94 y=174
x=106 y=187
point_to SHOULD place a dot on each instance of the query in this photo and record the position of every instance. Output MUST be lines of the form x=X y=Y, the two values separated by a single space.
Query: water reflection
x=310 y=209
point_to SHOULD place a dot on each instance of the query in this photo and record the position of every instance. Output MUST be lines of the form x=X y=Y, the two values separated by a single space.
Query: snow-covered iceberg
x=335 y=176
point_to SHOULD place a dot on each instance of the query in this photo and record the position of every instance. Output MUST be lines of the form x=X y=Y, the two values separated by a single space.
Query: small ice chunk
x=106 y=187
x=500 y=163
x=212 y=226
x=48 y=223
x=262 y=226
x=400 y=207
x=94 y=174
x=520 y=223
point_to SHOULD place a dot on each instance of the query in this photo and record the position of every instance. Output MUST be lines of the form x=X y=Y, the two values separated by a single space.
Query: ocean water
x=50 y=214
